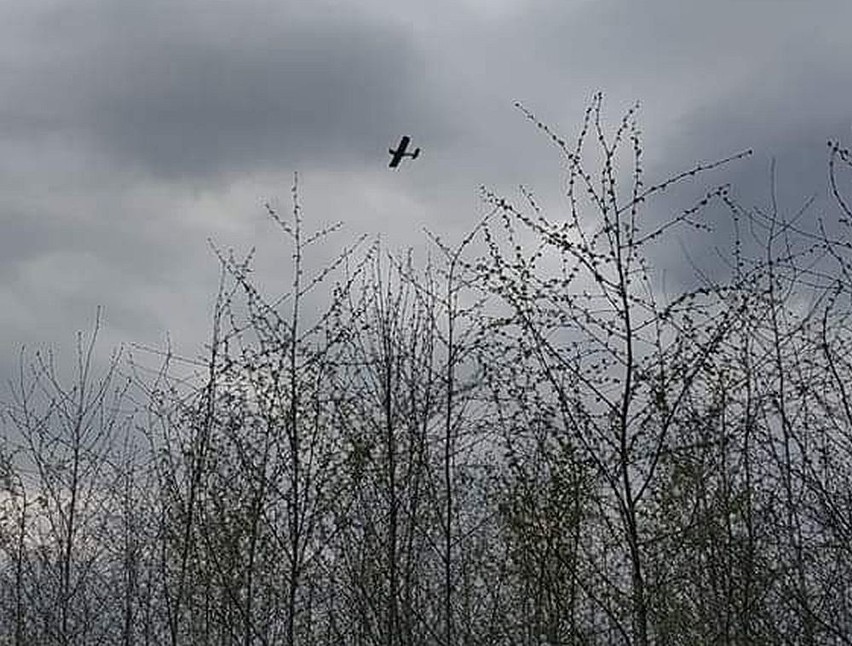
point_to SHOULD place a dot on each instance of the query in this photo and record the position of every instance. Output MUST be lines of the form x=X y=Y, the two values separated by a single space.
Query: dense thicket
x=530 y=440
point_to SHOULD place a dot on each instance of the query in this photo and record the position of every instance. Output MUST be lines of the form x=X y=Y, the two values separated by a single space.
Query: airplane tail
x=416 y=152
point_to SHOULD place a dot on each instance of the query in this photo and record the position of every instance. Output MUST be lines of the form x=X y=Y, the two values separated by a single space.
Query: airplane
x=399 y=153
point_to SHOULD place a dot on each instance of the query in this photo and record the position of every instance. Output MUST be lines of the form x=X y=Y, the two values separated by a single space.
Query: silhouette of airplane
x=399 y=153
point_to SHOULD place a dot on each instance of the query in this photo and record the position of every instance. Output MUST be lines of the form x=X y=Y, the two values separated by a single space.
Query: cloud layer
x=132 y=132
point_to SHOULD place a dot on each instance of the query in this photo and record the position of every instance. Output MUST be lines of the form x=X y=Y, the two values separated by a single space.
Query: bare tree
x=619 y=365
x=59 y=484
x=529 y=440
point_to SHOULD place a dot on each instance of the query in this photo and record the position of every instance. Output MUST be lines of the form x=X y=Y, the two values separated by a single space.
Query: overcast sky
x=131 y=131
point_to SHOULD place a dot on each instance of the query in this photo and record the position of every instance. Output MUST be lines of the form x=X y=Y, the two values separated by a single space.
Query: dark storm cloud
x=712 y=78
x=193 y=88
x=131 y=131
x=784 y=109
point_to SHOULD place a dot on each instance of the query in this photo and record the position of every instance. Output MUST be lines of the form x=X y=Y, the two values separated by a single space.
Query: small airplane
x=399 y=153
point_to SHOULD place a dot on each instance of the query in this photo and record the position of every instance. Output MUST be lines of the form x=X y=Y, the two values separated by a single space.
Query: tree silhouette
x=528 y=439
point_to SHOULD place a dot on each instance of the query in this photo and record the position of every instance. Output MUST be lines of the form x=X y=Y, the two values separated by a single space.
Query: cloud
x=189 y=89
x=130 y=132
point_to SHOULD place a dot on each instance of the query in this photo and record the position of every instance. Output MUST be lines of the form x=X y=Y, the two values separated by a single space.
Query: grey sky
x=130 y=132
